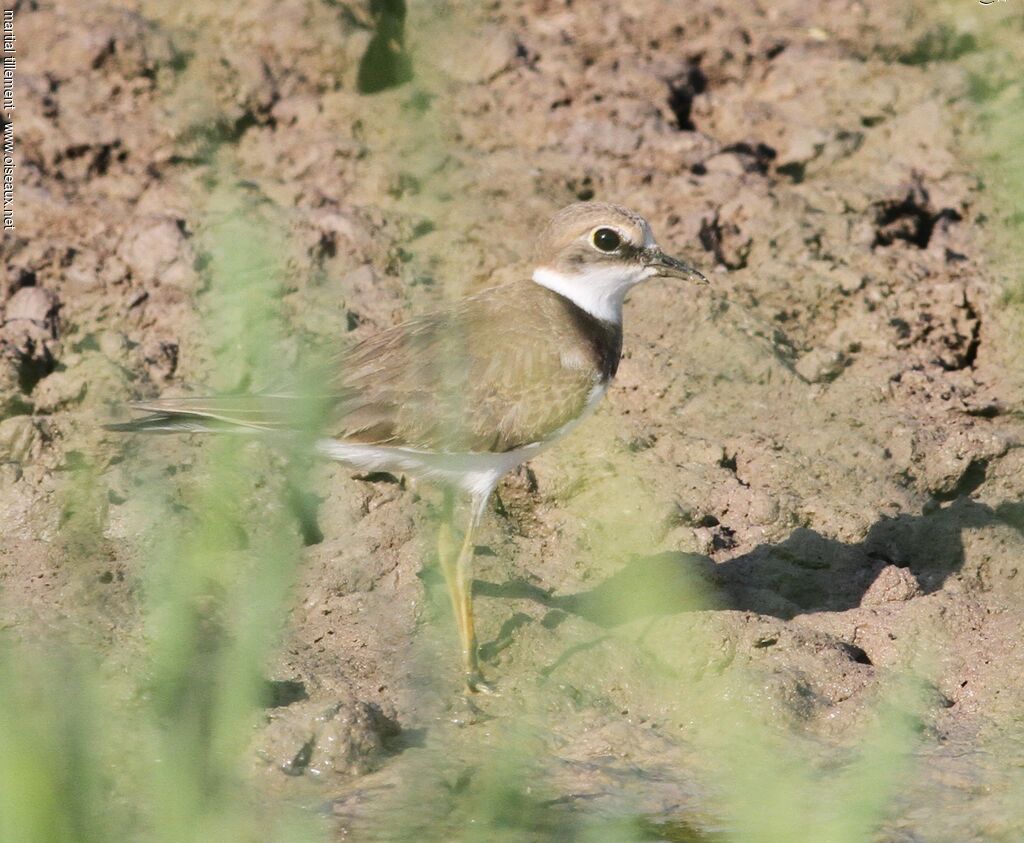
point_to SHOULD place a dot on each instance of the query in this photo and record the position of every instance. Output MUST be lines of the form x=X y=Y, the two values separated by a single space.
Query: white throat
x=600 y=291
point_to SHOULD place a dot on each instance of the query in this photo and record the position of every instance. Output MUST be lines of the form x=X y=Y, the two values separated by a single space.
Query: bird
x=462 y=396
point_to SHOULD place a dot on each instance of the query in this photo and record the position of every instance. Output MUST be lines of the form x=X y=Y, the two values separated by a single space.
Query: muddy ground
x=826 y=440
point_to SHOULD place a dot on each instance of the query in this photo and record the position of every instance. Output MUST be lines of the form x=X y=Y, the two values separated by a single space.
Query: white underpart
x=599 y=290
x=474 y=473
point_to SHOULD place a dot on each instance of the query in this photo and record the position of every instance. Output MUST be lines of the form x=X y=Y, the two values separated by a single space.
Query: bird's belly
x=474 y=473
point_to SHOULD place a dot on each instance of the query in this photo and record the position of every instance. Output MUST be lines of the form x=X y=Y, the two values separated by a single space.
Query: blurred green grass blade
x=53 y=749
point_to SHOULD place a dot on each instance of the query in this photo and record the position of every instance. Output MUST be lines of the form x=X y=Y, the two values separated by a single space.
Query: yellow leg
x=446 y=555
x=458 y=573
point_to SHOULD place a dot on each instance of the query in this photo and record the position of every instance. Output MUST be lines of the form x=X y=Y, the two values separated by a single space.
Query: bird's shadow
x=807 y=572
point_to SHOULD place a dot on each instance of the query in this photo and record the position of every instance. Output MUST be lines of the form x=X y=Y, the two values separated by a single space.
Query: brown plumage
x=560 y=247
x=506 y=368
x=500 y=370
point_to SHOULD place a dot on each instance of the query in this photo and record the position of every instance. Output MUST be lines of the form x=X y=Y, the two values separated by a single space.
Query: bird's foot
x=476 y=684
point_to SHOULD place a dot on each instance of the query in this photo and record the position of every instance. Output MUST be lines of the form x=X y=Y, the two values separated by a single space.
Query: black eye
x=607 y=239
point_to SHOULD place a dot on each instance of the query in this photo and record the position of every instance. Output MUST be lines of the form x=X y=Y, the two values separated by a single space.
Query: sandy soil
x=825 y=438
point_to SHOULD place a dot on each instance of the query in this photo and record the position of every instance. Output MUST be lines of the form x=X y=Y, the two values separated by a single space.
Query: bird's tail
x=231 y=413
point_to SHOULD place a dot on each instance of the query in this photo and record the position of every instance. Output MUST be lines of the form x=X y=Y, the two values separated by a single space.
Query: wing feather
x=488 y=375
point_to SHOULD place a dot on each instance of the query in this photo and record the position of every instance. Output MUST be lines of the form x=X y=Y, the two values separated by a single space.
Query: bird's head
x=593 y=253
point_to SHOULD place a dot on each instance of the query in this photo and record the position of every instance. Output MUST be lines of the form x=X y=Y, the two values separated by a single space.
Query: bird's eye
x=606 y=239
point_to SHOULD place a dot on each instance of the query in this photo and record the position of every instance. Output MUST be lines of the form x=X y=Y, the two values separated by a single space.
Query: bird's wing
x=490 y=375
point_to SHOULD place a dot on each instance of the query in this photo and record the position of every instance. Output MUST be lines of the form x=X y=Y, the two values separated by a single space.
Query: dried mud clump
x=314 y=738
x=28 y=344
x=910 y=218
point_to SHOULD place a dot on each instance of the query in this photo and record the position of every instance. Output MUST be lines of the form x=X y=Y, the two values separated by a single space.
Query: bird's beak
x=669 y=267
